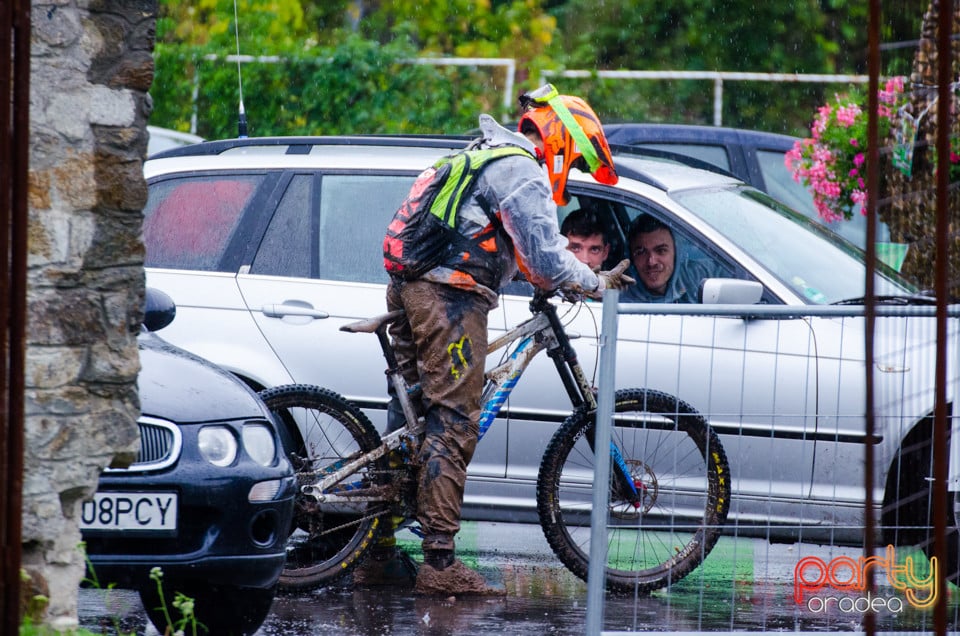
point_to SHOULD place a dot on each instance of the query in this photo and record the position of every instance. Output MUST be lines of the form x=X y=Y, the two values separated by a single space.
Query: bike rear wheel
x=327 y=540
x=676 y=462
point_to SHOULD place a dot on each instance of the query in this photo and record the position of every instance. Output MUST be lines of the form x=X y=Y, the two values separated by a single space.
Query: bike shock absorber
x=623 y=478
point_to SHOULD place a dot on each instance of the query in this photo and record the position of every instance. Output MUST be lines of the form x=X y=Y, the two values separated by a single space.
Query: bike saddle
x=370 y=325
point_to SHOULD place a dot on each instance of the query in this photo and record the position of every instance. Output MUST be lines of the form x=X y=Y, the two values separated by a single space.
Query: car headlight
x=258 y=440
x=217 y=445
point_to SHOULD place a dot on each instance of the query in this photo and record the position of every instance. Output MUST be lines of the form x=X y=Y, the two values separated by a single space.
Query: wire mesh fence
x=785 y=389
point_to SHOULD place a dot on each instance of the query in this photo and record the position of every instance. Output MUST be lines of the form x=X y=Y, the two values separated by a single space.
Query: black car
x=209 y=499
x=754 y=156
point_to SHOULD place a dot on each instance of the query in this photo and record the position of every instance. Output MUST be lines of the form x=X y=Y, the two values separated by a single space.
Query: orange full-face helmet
x=572 y=138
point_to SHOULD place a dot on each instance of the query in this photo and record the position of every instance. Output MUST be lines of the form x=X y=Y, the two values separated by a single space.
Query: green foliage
x=735 y=35
x=466 y=28
x=832 y=161
x=343 y=67
x=356 y=87
x=36 y=605
x=693 y=35
x=28 y=629
x=185 y=624
x=210 y=23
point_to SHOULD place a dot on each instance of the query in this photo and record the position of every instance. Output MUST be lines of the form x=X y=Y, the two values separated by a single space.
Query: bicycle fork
x=502 y=379
x=581 y=394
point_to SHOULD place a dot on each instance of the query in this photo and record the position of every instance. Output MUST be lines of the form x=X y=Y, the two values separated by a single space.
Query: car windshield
x=818 y=265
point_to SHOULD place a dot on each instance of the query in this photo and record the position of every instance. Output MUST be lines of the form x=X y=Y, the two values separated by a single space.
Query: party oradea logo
x=840 y=584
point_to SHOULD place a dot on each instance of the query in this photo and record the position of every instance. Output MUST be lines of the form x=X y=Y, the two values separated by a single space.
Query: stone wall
x=91 y=67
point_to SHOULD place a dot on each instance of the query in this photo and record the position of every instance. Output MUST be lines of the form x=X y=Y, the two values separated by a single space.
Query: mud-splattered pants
x=442 y=344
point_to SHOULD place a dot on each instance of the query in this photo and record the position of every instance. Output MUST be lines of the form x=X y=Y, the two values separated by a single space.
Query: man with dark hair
x=586 y=238
x=666 y=273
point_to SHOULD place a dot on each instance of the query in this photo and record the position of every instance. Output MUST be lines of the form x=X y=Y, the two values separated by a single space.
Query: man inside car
x=665 y=273
x=586 y=238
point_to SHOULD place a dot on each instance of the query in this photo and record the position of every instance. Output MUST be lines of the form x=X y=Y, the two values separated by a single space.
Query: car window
x=344 y=242
x=717 y=155
x=780 y=185
x=606 y=212
x=354 y=213
x=802 y=254
x=287 y=246
x=690 y=248
x=188 y=222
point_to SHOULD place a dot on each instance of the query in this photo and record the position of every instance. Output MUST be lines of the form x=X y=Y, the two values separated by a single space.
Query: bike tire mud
x=642 y=556
x=336 y=541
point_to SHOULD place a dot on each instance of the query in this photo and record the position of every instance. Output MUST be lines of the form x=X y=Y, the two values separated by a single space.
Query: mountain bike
x=669 y=486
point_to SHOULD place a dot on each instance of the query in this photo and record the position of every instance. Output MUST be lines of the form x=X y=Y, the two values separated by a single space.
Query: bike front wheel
x=679 y=469
x=322 y=430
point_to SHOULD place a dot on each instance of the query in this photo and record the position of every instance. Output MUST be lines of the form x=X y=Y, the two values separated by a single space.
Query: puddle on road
x=545 y=600
x=732 y=591
x=539 y=600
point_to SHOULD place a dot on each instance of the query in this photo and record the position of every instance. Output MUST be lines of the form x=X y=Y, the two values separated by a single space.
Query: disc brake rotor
x=645 y=481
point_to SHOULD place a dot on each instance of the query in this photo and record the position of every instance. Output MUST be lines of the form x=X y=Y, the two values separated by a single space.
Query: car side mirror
x=730 y=291
x=159 y=310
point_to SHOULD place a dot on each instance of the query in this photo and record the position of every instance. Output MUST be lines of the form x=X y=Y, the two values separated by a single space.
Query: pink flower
x=792 y=156
x=891 y=91
x=830 y=162
x=847 y=115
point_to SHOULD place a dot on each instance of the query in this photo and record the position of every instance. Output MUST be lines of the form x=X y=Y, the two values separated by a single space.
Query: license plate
x=130 y=511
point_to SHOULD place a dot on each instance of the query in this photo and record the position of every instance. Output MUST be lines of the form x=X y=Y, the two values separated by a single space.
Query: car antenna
x=242 y=121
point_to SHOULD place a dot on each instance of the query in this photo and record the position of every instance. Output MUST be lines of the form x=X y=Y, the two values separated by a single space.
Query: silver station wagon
x=269 y=246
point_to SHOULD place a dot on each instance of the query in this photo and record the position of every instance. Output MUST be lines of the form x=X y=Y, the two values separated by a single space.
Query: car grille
x=160 y=444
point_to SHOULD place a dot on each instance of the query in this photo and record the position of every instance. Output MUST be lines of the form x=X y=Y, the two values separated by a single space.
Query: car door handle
x=287 y=309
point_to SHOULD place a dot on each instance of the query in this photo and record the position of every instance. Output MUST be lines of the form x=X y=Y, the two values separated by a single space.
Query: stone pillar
x=91 y=67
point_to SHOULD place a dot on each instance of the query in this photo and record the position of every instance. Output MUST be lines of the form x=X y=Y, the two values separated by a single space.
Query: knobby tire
x=677 y=462
x=327 y=541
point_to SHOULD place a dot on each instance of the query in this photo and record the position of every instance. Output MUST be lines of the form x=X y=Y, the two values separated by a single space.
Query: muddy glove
x=613 y=279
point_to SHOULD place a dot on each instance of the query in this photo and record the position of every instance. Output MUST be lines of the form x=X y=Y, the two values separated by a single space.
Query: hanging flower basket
x=832 y=161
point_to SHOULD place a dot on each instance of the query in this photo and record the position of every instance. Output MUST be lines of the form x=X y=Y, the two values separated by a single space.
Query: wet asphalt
x=744 y=585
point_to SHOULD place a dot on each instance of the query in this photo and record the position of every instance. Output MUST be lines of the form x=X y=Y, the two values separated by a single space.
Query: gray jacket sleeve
x=522 y=193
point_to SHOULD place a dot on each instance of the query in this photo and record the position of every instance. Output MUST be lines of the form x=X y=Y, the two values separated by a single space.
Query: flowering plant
x=954 y=171
x=831 y=161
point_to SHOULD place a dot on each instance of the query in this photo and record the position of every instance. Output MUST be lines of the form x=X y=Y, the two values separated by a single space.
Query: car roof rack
x=302 y=145
x=642 y=152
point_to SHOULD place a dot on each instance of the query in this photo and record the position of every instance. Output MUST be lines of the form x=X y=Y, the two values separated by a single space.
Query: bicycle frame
x=543 y=331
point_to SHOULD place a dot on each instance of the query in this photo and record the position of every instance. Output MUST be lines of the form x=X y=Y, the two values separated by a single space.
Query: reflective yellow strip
x=576 y=131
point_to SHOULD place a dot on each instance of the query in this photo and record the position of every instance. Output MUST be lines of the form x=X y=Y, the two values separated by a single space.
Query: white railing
x=717 y=77
x=510 y=70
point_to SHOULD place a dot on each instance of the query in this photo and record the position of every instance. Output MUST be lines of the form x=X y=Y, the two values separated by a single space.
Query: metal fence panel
x=784 y=387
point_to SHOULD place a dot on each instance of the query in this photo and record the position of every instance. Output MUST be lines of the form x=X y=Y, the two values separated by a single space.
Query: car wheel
x=951 y=565
x=222 y=609
x=908 y=515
